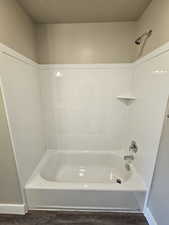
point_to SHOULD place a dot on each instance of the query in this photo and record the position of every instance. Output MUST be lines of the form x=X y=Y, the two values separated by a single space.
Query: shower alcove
x=71 y=132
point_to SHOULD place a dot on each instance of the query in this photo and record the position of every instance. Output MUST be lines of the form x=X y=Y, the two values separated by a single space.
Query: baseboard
x=12 y=209
x=149 y=217
x=83 y=209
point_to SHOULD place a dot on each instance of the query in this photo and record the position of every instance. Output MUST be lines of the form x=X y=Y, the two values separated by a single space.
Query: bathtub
x=91 y=180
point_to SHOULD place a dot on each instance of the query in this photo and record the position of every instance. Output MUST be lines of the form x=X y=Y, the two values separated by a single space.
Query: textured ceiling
x=68 y=11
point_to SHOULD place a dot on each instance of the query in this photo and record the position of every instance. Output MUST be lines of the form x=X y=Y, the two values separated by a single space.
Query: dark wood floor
x=73 y=218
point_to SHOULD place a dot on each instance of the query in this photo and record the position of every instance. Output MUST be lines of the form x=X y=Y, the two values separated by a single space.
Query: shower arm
x=148 y=34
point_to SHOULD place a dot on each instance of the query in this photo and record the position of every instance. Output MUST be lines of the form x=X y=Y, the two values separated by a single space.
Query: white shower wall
x=20 y=86
x=151 y=88
x=81 y=108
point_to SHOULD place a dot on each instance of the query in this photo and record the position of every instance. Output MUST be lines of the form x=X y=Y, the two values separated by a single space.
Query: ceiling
x=69 y=11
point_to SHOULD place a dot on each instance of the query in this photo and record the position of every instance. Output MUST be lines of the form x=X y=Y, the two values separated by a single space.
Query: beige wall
x=82 y=43
x=86 y=43
x=158 y=200
x=17 y=30
x=9 y=187
x=156 y=17
x=103 y=42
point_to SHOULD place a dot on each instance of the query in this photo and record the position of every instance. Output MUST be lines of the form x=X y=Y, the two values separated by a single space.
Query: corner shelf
x=126 y=97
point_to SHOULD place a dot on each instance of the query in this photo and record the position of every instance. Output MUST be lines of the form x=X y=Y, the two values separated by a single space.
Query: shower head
x=138 y=41
x=147 y=34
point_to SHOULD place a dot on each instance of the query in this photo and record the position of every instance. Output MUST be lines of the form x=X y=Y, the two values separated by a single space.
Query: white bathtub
x=85 y=180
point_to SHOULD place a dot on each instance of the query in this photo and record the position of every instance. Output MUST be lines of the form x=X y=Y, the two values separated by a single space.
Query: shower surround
x=74 y=109
x=86 y=126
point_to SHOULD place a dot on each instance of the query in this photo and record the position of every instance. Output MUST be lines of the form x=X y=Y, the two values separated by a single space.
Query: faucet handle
x=133 y=147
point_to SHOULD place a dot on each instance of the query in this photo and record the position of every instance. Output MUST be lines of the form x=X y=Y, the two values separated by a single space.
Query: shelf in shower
x=126 y=97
